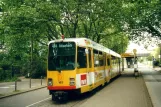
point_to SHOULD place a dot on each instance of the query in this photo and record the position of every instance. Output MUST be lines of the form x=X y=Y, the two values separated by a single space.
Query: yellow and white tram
x=79 y=65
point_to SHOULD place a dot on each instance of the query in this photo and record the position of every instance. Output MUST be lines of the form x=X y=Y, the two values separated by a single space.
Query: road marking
x=38 y=102
x=4 y=87
x=10 y=86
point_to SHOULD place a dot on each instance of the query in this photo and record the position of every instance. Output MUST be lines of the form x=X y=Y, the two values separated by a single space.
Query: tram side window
x=96 y=58
x=104 y=59
x=108 y=62
x=113 y=61
x=90 y=60
x=101 y=63
x=81 y=59
x=119 y=61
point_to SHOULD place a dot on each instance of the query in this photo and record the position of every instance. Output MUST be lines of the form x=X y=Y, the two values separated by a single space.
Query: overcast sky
x=139 y=48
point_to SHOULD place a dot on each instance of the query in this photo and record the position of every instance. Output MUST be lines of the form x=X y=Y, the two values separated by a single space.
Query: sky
x=146 y=40
x=139 y=48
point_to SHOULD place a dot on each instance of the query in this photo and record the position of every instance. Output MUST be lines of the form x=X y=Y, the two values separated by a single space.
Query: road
x=124 y=91
x=38 y=98
x=25 y=99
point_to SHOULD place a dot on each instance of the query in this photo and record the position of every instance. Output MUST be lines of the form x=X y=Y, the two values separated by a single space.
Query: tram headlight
x=72 y=81
x=50 y=82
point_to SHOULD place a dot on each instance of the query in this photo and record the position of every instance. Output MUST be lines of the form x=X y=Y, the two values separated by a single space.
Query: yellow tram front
x=62 y=66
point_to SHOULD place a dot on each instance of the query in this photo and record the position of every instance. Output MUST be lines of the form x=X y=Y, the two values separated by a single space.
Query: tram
x=79 y=65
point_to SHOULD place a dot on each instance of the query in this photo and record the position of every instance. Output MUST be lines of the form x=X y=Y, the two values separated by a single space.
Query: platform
x=125 y=91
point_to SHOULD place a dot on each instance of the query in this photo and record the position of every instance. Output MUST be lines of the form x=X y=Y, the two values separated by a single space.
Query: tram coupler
x=60 y=96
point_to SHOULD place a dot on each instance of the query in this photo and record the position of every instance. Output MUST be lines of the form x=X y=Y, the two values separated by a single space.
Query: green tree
x=27 y=25
x=143 y=16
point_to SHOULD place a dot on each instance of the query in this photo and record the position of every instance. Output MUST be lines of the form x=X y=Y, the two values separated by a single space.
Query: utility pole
x=31 y=51
x=31 y=58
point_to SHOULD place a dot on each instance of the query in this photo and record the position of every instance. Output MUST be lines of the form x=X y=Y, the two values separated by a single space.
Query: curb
x=21 y=92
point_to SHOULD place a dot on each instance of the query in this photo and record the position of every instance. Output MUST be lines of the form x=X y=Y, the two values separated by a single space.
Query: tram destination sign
x=63 y=48
x=63 y=45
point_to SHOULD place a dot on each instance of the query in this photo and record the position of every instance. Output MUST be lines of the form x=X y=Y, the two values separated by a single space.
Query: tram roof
x=84 y=42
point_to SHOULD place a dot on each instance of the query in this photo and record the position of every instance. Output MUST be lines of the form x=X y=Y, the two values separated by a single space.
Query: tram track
x=70 y=103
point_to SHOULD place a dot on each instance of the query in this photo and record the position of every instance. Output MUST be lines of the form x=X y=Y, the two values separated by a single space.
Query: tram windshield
x=61 y=56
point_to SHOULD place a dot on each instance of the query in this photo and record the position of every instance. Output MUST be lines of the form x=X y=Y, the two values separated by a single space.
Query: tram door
x=89 y=67
x=108 y=67
x=104 y=64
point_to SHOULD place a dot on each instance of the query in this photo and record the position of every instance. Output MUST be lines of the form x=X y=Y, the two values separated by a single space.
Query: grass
x=1 y=94
x=16 y=91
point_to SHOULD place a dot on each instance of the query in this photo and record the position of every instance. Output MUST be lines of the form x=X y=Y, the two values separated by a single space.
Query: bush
x=156 y=63
x=2 y=74
x=38 y=69
x=15 y=78
x=16 y=70
x=6 y=75
x=150 y=58
x=141 y=60
x=5 y=65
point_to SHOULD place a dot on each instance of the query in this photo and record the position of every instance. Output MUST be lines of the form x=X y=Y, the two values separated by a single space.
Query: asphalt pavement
x=151 y=79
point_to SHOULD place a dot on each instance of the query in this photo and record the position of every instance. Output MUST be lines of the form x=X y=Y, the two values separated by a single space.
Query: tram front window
x=61 y=56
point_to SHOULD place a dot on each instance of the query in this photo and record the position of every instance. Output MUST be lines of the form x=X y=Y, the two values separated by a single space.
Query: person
x=154 y=62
